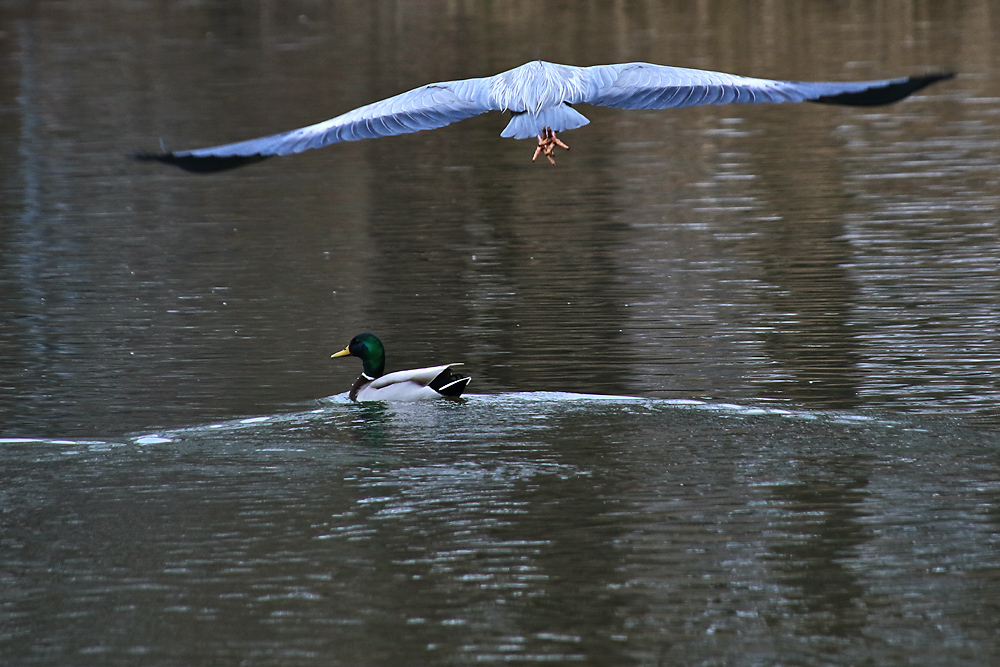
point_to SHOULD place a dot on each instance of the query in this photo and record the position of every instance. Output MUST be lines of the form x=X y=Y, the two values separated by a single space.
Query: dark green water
x=797 y=304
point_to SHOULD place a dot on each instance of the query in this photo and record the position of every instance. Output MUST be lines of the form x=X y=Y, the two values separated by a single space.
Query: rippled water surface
x=517 y=527
x=735 y=368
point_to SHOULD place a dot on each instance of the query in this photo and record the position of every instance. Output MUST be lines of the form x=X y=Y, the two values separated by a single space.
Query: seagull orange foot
x=547 y=142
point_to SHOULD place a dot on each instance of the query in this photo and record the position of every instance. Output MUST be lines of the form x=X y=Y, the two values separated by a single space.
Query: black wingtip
x=888 y=94
x=199 y=164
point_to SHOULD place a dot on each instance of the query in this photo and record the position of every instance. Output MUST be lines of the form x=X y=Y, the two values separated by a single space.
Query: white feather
x=408 y=385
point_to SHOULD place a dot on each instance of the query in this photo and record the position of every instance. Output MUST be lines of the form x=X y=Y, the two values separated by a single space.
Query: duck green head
x=368 y=348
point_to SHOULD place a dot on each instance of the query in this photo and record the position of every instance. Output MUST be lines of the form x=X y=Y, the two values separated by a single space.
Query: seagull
x=541 y=97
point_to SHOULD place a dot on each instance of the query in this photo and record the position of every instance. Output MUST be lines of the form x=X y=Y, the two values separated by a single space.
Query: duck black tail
x=449 y=383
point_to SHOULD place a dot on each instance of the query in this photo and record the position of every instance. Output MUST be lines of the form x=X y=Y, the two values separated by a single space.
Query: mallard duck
x=412 y=385
x=540 y=97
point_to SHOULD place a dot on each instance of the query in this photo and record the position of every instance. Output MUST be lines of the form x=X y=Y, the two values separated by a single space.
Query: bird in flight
x=541 y=99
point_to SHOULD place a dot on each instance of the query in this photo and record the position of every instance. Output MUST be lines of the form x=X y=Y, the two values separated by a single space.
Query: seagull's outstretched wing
x=646 y=86
x=424 y=108
x=539 y=95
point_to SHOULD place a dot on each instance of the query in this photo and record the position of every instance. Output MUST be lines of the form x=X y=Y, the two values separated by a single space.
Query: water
x=525 y=527
x=735 y=369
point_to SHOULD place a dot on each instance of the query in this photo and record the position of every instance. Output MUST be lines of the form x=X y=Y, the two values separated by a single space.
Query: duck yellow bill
x=343 y=353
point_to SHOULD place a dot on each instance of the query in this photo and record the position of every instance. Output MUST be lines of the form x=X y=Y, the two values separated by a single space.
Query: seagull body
x=540 y=96
x=416 y=384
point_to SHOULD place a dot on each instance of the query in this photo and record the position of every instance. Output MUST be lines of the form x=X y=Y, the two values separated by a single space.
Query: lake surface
x=735 y=395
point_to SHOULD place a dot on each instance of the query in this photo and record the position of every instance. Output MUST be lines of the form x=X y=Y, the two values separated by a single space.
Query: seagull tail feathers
x=528 y=125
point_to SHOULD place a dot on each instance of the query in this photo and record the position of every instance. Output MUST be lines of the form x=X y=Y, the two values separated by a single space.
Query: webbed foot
x=547 y=142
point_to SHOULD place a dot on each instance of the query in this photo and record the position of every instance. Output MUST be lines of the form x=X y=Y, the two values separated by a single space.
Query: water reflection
x=822 y=521
x=788 y=260
x=725 y=252
x=523 y=527
x=372 y=423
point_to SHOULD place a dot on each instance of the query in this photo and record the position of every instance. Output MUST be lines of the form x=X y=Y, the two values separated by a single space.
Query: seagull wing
x=646 y=86
x=424 y=108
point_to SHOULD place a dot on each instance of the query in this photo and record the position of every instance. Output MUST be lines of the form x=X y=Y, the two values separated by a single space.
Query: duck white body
x=409 y=385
